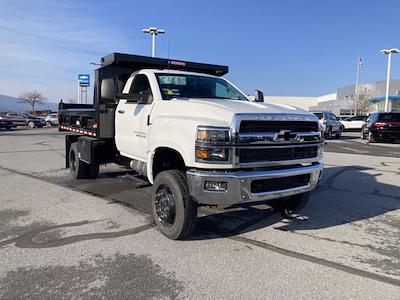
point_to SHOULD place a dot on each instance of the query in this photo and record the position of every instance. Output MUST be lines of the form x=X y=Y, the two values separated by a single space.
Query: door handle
x=121 y=111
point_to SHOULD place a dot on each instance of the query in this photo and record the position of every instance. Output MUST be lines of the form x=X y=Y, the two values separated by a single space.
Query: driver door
x=131 y=120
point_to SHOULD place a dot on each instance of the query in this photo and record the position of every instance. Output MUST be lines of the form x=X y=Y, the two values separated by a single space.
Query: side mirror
x=107 y=89
x=259 y=96
x=145 y=97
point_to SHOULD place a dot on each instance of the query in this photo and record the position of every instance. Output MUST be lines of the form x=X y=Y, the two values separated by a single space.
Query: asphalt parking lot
x=61 y=238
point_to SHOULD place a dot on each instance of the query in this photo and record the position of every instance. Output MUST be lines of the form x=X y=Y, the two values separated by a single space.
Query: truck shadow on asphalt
x=345 y=195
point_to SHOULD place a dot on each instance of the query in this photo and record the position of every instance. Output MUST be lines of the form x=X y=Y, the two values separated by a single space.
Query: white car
x=51 y=120
x=354 y=123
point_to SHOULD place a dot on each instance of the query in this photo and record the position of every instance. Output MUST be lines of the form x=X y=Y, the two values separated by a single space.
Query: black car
x=382 y=126
x=4 y=123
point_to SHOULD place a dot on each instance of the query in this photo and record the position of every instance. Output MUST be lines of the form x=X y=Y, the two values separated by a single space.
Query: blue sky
x=304 y=48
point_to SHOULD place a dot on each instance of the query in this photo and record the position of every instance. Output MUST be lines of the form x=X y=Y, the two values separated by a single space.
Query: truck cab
x=197 y=138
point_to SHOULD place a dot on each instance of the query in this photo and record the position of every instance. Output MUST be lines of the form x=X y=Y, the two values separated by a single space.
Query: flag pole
x=356 y=87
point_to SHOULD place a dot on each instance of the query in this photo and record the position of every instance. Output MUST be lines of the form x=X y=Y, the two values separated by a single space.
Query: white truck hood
x=219 y=112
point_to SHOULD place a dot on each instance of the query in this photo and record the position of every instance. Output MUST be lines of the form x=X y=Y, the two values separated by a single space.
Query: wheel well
x=167 y=159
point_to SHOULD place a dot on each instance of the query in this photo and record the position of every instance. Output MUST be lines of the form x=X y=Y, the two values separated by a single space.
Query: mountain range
x=12 y=104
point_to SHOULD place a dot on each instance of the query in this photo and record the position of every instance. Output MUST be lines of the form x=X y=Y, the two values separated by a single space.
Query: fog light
x=215 y=186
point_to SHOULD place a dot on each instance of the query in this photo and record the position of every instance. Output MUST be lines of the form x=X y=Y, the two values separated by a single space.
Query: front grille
x=276 y=154
x=248 y=126
x=279 y=184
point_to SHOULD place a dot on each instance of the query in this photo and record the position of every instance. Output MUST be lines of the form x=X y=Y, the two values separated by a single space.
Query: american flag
x=360 y=64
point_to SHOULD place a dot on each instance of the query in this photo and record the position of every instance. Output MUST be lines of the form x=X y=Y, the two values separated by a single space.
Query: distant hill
x=11 y=104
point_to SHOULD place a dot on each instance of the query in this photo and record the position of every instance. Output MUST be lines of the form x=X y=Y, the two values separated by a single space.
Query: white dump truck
x=196 y=137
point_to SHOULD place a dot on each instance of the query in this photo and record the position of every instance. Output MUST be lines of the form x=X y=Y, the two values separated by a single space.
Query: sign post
x=83 y=84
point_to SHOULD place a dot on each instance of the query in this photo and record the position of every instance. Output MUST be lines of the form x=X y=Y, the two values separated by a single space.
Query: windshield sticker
x=172 y=92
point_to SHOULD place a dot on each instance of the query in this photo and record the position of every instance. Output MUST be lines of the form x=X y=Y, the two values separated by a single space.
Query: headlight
x=213 y=135
x=212 y=144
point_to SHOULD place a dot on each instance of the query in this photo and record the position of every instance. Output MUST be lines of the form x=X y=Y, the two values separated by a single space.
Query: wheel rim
x=165 y=206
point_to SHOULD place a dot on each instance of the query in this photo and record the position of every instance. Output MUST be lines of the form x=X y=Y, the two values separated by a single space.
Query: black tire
x=339 y=133
x=291 y=204
x=31 y=124
x=48 y=124
x=329 y=134
x=362 y=134
x=79 y=169
x=371 y=138
x=174 y=210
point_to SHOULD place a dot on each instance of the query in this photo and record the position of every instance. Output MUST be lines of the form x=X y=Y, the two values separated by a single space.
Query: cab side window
x=141 y=88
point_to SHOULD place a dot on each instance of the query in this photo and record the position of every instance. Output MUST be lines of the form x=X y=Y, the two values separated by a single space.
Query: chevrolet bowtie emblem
x=284 y=136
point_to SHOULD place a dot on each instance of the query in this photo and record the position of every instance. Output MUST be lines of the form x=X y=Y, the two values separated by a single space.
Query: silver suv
x=330 y=124
x=52 y=120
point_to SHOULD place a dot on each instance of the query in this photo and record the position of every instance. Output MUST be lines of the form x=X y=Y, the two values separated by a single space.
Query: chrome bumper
x=239 y=184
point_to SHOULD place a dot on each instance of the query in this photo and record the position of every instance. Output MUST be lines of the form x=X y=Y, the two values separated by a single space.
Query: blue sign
x=84 y=79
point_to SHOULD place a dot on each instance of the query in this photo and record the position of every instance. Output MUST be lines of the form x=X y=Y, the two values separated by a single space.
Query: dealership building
x=341 y=103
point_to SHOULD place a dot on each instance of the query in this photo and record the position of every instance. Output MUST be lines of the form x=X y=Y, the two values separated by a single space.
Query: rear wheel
x=48 y=124
x=371 y=138
x=291 y=204
x=339 y=133
x=80 y=169
x=174 y=210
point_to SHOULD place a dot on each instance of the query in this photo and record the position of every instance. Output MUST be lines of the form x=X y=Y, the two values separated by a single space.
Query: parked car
x=5 y=123
x=330 y=124
x=51 y=119
x=354 y=123
x=24 y=120
x=382 y=126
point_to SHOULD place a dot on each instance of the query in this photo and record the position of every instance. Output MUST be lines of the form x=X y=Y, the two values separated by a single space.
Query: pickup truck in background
x=195 y=136
x=331 y=125
x=24 y=120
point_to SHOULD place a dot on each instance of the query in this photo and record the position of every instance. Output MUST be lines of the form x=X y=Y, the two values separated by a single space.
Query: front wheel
x=329 y=134
x=174 y=210
x=291 y=204
x=31 y=124
x=48 y=124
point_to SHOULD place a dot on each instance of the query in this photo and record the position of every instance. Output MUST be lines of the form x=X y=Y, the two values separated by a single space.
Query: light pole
x=389 y=53
x=153 y=31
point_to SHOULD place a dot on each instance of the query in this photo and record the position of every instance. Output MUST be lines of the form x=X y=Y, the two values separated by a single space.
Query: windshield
x=194 y=86
x=319 y=115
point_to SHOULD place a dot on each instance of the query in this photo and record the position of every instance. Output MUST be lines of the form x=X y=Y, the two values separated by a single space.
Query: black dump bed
x=98 y=119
